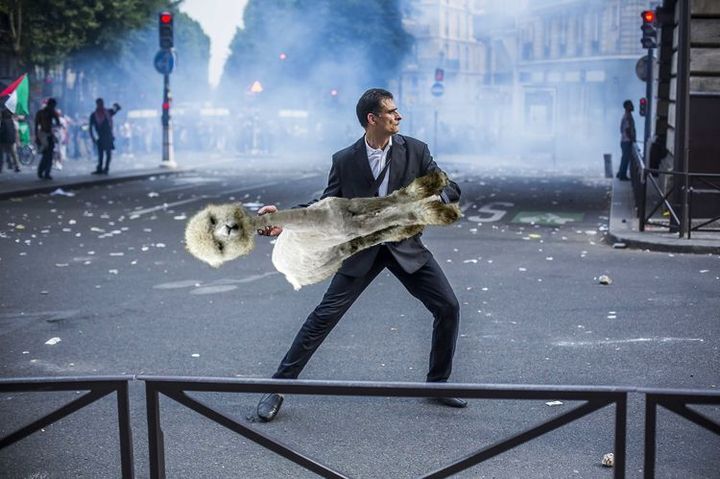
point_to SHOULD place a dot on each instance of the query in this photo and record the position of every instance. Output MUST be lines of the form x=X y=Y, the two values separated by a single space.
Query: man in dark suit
x=361 y=170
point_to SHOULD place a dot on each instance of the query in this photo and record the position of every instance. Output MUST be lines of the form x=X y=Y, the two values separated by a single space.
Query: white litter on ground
x=61 y=192
x=53 y=341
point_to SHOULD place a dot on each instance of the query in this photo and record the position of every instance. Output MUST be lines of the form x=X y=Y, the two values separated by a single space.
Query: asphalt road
x=105 y=272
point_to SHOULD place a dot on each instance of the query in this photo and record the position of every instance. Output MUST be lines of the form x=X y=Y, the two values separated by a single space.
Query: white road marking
x=136 y=213
x=164 y=206
x=187 y=283
x=214 y=289
x=183 y=187
x=626 y=341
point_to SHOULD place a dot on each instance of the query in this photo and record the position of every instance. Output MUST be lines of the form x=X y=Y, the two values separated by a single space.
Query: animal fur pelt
x=317 y=239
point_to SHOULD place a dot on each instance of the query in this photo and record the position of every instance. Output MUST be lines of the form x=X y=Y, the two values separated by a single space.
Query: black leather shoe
x=451 y=402
x=269 y=406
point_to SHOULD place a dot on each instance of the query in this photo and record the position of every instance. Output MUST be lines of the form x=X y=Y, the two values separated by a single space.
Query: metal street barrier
x=177 y=388
x=674 y=400
x=689 y=185
x=97 y=387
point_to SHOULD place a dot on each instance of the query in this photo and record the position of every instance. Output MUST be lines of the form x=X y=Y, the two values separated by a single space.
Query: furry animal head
x=220 y=233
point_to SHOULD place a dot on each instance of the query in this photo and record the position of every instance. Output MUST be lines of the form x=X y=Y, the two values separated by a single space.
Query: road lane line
x=625 y=341
x=164 y=206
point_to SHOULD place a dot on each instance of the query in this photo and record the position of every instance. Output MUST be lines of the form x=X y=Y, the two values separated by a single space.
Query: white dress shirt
x=377 y=159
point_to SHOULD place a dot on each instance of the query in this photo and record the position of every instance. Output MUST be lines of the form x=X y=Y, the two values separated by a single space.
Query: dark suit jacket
x=351 y=177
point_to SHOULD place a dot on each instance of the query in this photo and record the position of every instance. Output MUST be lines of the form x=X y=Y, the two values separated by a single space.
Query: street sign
x=164 y=61
x=641 y=68
x=437 y=89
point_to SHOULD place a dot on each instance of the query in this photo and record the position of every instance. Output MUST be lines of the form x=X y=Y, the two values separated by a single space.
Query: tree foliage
x=325 y=42
x=129 y=72
x=109 y=45
x=46 y=32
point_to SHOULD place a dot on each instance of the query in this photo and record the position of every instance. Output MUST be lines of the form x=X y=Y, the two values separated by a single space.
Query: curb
x=623 y=228
x=667 y=246
x=71 y=184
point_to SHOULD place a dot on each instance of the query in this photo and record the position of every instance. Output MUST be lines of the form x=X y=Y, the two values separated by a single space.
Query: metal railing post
x=620 y=436
x=650 y=425
x=683 y=105
x=155 y=434
x=643 y=200
x=126 y=444
x=689 y=212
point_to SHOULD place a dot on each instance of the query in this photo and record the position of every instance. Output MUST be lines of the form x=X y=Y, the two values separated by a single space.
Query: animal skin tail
x=427 y=185
x=389 y=234
x=439 y=213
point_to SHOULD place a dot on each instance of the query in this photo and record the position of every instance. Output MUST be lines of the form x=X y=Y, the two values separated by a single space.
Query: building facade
x=545 y=77
x=575 y=65
x=444 y=40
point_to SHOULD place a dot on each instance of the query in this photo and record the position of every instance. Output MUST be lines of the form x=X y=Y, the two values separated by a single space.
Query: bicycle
x=26 y=150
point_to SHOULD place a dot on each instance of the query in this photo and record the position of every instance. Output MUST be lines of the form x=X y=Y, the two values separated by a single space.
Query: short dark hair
x=369 y=102
x=627 y=103
x=100 y=100
x=52 y=103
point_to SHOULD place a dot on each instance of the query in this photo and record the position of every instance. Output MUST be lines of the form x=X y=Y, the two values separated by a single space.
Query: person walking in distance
x=377 y=164
x=627 y=140
x=101 y=132
x=45 y=120
x=8 y=141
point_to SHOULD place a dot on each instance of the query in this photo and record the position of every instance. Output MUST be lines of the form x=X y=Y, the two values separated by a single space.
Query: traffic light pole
x=168 y=154
x=648 y=94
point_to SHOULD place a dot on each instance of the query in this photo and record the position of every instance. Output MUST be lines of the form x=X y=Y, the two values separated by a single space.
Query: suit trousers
x=428 y=284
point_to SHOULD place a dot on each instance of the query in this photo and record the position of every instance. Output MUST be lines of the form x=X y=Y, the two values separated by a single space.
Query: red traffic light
x=439 y=74
x=648 y=16
x=166 y=17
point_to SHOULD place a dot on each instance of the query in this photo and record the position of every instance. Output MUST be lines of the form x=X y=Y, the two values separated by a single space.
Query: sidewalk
x=77 y=173
x=624 y=228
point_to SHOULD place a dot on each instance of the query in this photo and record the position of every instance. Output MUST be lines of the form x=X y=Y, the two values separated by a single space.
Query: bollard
x=608 y=165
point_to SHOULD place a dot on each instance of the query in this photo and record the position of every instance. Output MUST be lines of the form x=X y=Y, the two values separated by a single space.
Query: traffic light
x=649 y=34
x=439 y=74
x=165 y=27
x=643 y=106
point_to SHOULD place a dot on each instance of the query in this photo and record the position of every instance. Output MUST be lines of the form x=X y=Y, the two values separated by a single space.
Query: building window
x=562 y=36
x=615 y=17
x=547 y=37
x=527 y=51
x=579 y=34
x=596 y=24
